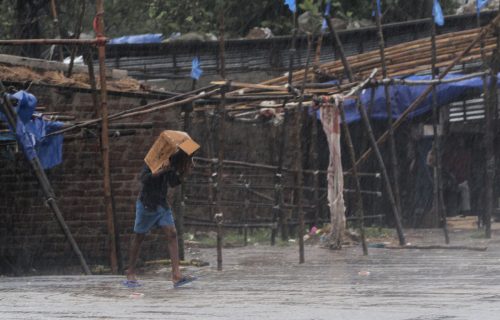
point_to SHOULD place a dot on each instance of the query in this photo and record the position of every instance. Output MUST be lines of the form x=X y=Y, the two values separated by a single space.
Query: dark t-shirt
x=154 y=189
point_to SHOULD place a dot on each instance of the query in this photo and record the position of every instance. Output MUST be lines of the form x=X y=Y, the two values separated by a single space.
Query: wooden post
x=292 y=51
x=221 y=115
x=93 y=85
x=369 y=131
x=388 y=105
x=245 y=213
x=297 y=133
x=315 y=161
x=182 y=207
x=359 y=198
x=219 y=219
x=112 y=236
x=491 y=112
x=436 y=146
x=278 y=213
x=44 y=182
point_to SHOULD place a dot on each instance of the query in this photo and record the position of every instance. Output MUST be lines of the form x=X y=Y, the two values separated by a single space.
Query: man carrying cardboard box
x=167 y=162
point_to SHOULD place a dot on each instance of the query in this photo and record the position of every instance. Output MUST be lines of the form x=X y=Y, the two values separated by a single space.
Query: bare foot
x=131 y=276
x=176 y=277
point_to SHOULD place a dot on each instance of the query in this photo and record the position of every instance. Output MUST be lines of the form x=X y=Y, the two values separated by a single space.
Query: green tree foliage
x=31 y=18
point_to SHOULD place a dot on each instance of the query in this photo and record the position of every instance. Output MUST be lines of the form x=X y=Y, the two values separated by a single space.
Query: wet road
x=267 y=283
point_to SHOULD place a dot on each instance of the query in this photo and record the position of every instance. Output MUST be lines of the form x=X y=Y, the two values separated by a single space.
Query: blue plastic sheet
x=403 y=96
x=49 y=149
x=31 y=133
x=138 y=39
x=26 y=105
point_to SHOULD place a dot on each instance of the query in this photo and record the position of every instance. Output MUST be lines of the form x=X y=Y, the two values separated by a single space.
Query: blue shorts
x=145 y=220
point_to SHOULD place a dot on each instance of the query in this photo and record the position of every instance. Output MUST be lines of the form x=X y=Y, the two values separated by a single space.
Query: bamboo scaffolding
x=423 y=96
x=371 y=137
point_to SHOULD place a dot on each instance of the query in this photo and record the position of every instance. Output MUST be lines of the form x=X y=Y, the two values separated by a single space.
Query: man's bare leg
x=173 y=250
x=133 y=255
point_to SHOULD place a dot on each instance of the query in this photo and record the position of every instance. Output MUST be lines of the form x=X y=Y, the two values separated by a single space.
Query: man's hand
x=165 y=166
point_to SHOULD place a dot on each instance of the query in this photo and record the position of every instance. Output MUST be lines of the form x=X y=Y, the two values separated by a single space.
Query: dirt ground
x=263 y=282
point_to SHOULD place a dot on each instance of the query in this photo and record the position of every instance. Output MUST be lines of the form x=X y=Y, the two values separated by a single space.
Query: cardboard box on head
x=168 y=143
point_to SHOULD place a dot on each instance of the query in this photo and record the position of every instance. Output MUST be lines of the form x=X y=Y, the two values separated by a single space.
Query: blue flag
x=437 y=13
x=327 y=12
x=480 y=4
x=379 y=8
x=292 y=5
x=196 y=71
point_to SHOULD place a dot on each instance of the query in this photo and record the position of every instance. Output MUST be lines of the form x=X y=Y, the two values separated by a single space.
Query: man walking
x=153 y=210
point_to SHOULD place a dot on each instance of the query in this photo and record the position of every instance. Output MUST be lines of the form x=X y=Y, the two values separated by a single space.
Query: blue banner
x=196 y=71
x=292 y=5
x=327 y=13
x=480 y=4
x=379 y=8
x=437 y=13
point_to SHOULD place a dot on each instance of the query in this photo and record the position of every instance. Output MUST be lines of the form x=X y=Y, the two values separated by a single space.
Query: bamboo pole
x=371 y=137
x=182 y=207
x=108 y=202
x=278 y=213
x=491 y=108
x=78 y=30
x=424 y=94
x=359 y=198
x=315 y=161
x=149 y=108
x=57 y=29
x=436 y=146
x=404 y=53
x=388 y=104
x=221 y=114
x=297 y=133
x=93 y=83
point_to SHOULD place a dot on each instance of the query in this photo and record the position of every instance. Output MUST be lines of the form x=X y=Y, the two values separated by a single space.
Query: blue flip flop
x=184 y=280
x=131 y=283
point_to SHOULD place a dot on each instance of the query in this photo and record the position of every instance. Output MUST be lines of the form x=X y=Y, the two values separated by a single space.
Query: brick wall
x=30 y=236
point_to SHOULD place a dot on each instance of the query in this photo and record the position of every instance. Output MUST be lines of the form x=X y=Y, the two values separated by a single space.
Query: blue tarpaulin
x=402 y=96
x=138 y=39
x=31 y=132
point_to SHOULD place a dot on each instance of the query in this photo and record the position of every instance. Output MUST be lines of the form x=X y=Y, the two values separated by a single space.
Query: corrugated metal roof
x=173 y=60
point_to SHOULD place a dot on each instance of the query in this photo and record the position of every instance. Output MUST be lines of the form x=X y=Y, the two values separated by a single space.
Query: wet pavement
x=262 y=282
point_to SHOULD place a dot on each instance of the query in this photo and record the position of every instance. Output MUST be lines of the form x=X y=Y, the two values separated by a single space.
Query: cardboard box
x=167 y=144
